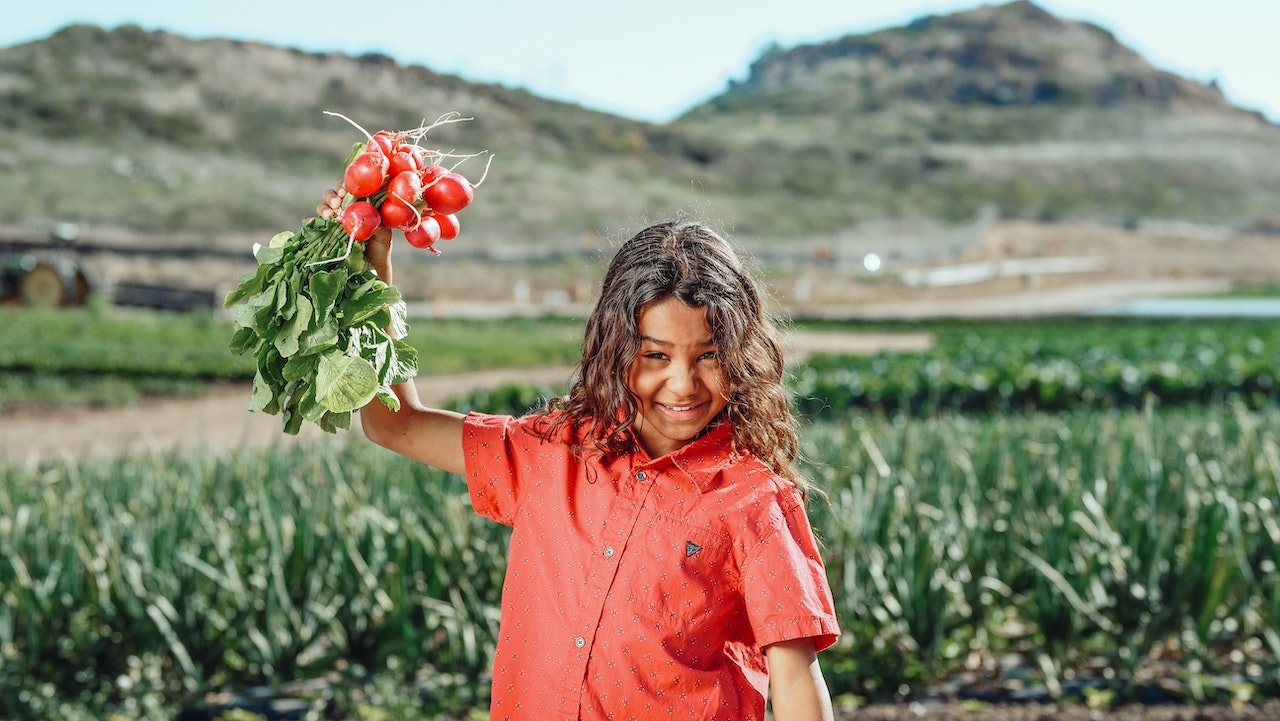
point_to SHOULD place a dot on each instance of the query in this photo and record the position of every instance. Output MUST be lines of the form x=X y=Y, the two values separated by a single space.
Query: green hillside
x=1003 y=106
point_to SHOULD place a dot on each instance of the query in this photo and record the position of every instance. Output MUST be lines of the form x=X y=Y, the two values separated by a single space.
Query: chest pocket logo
x=684 y=578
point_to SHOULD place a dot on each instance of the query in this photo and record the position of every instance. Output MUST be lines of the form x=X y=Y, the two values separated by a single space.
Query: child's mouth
x=681 y=411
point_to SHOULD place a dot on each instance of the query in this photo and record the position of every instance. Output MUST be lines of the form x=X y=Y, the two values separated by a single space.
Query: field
x=1022 y=520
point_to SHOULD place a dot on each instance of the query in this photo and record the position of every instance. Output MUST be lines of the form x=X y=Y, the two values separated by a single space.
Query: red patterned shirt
x=642 y=588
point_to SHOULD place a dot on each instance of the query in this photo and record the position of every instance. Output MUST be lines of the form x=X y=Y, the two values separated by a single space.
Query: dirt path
x=218 y=421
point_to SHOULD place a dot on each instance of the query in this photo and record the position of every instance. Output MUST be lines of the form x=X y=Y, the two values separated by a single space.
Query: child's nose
x=684 y=378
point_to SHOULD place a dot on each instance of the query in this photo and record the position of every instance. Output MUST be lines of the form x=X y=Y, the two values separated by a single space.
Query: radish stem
x=367 y=134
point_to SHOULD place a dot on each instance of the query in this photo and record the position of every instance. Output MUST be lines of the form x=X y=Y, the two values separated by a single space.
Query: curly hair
x=690 y=262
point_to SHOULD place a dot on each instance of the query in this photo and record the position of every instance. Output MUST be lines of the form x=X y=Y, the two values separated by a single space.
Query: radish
x=360 y=220
x=431 y=173
x=405 y=187
x=408 y=188
x=398 y=214
x=406 y=158
x=318 y=315
x=365 y=175
x=449 y=194
x=424 y=234
x=449 y=226
x=386 y=142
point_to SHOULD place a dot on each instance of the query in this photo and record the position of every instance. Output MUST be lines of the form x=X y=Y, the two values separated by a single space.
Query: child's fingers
x=330 y=202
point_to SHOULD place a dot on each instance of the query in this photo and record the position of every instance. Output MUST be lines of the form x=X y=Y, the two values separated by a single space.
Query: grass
x=106 y=355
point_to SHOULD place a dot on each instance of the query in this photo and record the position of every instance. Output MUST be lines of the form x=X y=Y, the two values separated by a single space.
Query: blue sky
x=654 y=59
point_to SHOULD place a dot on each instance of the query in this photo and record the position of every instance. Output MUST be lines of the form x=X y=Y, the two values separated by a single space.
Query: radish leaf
x=344 y=383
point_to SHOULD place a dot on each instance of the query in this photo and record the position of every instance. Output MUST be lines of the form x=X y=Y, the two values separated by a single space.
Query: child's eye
x=710 y=355
x=655 y=356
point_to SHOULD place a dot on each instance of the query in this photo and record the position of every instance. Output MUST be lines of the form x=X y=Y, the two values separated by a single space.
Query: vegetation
x=131 y=584
x=1084 y=506
x=1126 y=548
x=108 y=356
x=1130 y=550
x=1055 y=365
x=819 y=139
x=135 y=584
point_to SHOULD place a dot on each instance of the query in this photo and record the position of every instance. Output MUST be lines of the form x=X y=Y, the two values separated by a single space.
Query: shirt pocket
x=683 y=576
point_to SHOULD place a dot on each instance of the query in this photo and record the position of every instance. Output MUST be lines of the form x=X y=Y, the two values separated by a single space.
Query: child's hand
x=377 y=248
x=331 y=202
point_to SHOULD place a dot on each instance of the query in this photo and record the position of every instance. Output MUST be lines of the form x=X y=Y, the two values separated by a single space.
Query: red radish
x=385 y=141
x=431 y=173
x=425 y=234
x=396 y=214
x=405 y=187
x=375 y=156
x=449 y=194
x=449 y=226
x=406 y=158
x=360 y=219
x=365 y=175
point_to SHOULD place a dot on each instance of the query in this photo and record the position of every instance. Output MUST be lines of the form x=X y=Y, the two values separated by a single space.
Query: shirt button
x=579 y=642
x=640 y=475
x=608 y=551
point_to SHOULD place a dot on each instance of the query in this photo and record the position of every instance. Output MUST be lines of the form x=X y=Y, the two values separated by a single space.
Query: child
x=661 y=561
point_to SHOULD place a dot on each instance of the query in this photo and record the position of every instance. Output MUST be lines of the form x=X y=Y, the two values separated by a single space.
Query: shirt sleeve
x=490 y=466
x=785 y=584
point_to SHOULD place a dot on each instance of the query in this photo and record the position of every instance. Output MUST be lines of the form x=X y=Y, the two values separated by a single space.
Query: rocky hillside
x=1017 y=54
x=158 y=132
x=1003 y=107
x=1006 y=105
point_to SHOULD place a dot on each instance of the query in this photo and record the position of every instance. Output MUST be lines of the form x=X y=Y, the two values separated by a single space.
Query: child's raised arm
x=429 y=435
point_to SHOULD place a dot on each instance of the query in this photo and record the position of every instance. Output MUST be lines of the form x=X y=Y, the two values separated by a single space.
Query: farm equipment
x=54 y=269
x=42 y=280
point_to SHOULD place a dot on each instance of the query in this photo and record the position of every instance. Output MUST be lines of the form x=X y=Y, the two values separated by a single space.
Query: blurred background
x=1028 y=254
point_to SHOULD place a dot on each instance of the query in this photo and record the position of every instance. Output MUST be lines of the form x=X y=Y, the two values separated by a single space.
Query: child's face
x=676 y=377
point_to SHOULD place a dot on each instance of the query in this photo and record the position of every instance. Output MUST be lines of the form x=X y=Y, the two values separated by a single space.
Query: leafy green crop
x=1070 y=365
x=314 y=321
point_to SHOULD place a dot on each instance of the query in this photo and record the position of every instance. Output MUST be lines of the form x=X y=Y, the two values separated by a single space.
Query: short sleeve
x=785 y=584
x=490 y=474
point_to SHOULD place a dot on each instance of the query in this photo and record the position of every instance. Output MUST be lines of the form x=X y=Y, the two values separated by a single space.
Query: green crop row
x=1104 y=543
x=112 y=356
x=1054 y=366
x=1099 y=540
x=137 y=584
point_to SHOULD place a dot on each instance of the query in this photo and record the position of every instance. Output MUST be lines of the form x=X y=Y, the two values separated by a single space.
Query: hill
x=156 y=132
x=1010 y=105
x=919 y=134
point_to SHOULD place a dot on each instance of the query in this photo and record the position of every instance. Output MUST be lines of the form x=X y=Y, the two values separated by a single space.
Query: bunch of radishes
x=315 y=314
x=398 y=184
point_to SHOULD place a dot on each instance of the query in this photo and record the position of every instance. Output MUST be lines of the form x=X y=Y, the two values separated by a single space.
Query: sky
x=655 y=59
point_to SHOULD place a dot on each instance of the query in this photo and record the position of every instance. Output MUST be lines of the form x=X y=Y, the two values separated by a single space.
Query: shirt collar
x=702 y=459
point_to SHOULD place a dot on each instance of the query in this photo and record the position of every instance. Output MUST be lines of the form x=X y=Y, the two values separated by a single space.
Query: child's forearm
x=802 y=702
x=797 y=690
